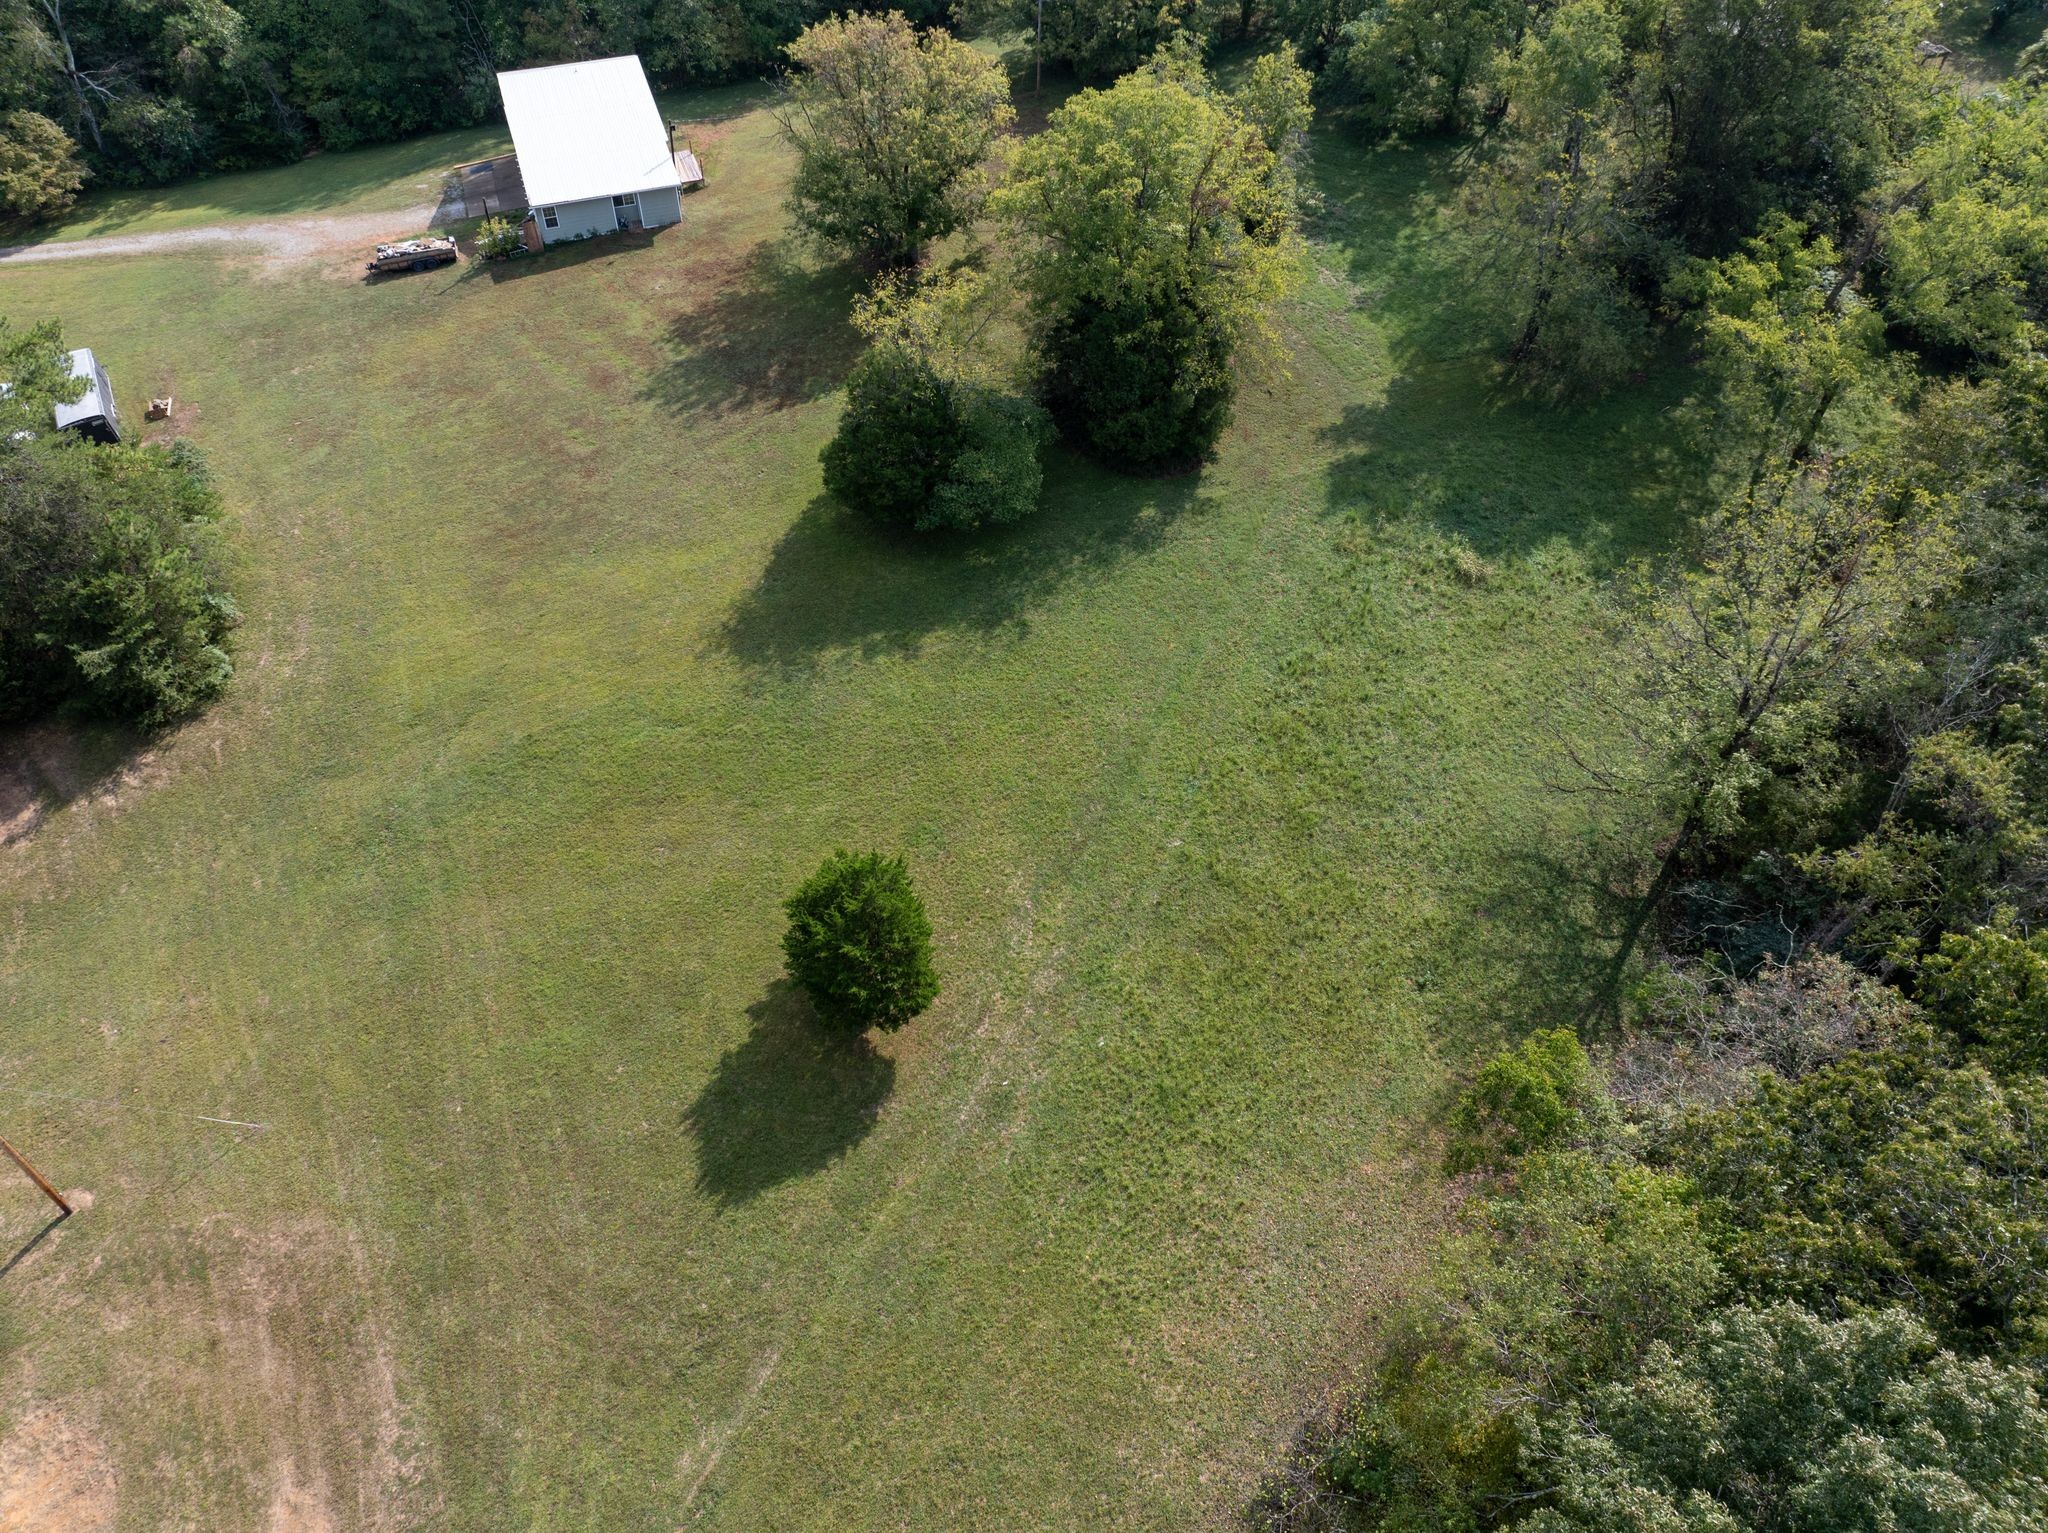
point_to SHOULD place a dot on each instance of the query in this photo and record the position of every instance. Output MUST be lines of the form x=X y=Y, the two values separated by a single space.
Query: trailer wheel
x=423 y=265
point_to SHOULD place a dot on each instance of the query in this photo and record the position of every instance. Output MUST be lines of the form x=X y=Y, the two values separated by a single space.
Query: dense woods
x=1760 y=1241
x=1703 y=118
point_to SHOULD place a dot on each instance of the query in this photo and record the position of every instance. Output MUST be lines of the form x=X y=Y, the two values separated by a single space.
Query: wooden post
x=36 y=1176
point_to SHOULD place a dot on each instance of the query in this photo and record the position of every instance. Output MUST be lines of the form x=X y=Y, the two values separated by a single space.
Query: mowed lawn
x=1230 y=795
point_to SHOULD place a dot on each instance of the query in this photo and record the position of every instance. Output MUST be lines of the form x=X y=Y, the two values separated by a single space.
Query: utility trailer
x=414 y=255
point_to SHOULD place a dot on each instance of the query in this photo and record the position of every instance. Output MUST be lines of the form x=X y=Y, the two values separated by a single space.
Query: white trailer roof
x=88 y=406
x=586 y=130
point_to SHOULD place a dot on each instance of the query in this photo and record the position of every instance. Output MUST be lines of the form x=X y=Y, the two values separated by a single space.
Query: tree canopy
x=893 y=129
x=1162 y=226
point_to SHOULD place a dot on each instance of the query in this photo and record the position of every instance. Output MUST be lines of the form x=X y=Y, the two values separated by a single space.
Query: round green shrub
x=897 y=440
x=859 y=943
x=1541 y=1093
x=1143 y=384
x=919 y=451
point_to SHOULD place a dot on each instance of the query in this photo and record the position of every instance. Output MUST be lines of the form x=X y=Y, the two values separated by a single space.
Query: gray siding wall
x=664 y=205
x=579 y=218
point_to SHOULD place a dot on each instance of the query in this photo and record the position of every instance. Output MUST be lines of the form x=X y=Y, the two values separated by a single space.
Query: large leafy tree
x=1101 y=39
x=1800 y=106
x=1426 y=64
x=1891 y=1176
x=893 y=129
x=111 y=599
x=1161 y=227
x=1779 y=1421
x=1552 y=228
x=1734 y=674
x=1964 y=253
x=37 y=368
x=40 y=172
x=1787 y=340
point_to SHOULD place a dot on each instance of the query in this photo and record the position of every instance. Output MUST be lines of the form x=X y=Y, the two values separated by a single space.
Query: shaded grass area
x=1227 y=795
x=1985 y=59
x=390 y=176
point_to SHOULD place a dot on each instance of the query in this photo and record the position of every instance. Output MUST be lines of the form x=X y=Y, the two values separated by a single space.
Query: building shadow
x=789 y=1100
x=837 y=585
x=568 y=253
x=771 y=329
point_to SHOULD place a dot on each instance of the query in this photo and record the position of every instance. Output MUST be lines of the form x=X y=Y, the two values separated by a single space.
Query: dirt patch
x=293 y=1309
x=250 y=1383
x=54 y=1477
x=298 y=1507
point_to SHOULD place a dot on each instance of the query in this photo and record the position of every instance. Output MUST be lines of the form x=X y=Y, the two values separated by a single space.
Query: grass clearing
x=1226 y=794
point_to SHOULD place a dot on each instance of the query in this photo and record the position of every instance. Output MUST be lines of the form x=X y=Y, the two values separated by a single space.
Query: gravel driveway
x=284 y=239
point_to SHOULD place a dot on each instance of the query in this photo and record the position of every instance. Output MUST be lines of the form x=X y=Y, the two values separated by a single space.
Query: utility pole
x=36 y=1176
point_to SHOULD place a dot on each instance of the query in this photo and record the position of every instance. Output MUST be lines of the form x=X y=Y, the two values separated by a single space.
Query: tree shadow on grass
x=1551 y=922
x=1508 y=475
x=51 y=763
x=1454 y=440
x=836 y=585
x=789 y=1100
x=769 y=330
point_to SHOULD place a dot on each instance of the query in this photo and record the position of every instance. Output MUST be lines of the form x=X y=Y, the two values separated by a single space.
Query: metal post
x=36 y=1176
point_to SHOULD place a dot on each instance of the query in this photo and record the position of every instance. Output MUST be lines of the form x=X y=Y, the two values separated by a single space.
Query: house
x=593 y=151
x=92 y=413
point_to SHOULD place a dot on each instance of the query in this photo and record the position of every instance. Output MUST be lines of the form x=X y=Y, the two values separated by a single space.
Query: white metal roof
x=586 y=130
x=88 y=406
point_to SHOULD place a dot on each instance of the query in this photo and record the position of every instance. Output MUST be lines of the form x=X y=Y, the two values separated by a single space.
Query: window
x=547 y=216
x=627 y=200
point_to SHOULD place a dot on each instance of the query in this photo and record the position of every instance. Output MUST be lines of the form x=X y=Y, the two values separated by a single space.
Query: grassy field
x=1228 y=794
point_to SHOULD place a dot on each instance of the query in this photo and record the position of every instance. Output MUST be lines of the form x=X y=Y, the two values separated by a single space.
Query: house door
x=626 y=210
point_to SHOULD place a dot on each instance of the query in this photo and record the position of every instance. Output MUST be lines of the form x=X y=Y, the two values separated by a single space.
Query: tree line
x=133 y=92
x=1761 y=1243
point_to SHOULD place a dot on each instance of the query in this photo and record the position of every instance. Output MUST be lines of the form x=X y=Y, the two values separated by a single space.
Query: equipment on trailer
x=415 y=255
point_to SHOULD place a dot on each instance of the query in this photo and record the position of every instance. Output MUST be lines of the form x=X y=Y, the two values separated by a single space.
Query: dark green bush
x=110 y=598
x=1990 y=987
x=859 y=943
x=1145 y=386
x=920 y=449
x=897 y=440
x=995 y=476
x=1538 y=1095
